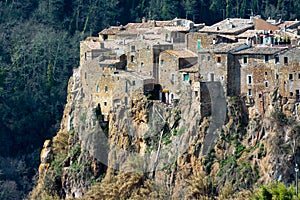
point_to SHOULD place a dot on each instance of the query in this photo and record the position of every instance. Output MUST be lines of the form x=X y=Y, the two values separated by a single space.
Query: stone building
x=267 y=73
x=216 y=64
x=176 y=68
x=115 y=88
x=143 y=56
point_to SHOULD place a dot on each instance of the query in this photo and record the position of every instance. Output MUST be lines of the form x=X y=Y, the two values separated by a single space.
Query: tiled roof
x=289 y=24
x=229 y=26
x=92 y=45
x=181 y=53
x=260 y=24
x=262 y=50
x=193 y=69
x=248 y=33
x=111 y=30
x=224 y=47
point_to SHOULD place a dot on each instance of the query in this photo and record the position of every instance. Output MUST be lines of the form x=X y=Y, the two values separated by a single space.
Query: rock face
x=171 y=147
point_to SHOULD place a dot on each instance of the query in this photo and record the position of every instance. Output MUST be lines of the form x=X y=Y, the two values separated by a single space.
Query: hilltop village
x=177 y=102
x=250 y=58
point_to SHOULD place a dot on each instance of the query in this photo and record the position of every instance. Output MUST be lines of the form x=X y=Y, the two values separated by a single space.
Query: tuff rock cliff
x=150 y=150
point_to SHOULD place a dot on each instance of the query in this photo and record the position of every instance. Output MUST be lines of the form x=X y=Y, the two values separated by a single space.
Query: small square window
x=162 y=62
x=105 y=103
x=106 y=89
x=291 y=94
x=266 y=73
x=286 y=60
x=132 y=58
x=245 y=60
x=277 y=76
x=277 y=60
x=267 y=84
x=290 y=76
x=266 y=58
x=249 y=92
x=133 y=48
x=249 y=80
x=218 y=59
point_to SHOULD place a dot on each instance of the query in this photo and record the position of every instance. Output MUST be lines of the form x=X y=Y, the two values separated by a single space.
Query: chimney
x=228 y=21
x=153 y=23
x=249 y=42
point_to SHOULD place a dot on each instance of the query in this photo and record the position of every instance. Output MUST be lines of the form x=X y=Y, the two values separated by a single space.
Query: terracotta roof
x=181 y=53
x=260 y=24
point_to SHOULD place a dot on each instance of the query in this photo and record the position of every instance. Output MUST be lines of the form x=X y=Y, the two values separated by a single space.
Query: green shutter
x=199 y=45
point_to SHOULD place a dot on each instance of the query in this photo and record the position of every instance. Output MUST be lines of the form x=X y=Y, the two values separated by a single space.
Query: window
x=286 y=60
x=218 y=59
x=266 y=84
x=299 y=76
x=199 y=45
x=196 y=93
x=133 y=82
x=133 y=48
x=249 y=80
x=186 y=77
x=297 y=94
x=126 y=87
x=162 y=62
x=249 y=92
x=277 y=76
x=106 y=89
x=132 y=58
x=266 y=73
x=266 y=58
x=142 y=64
x=212 y=77
x=85 y=56
x=277 y=60
x=98 y=88
x=290 y=76
x=245 y=60
x=173 y=78
x=105 y=103
x=291 y=94
x=208 y=58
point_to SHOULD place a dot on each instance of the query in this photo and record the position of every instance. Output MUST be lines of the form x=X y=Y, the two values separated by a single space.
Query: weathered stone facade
x=172 y=74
